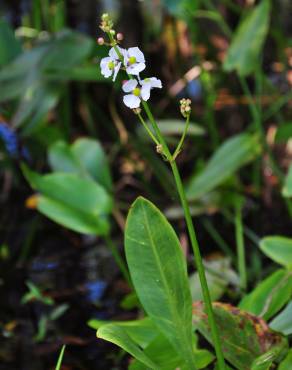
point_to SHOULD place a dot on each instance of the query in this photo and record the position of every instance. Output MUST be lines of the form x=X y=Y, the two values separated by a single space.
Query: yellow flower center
x=136 y=91
x=132 y=60
x=111 y=65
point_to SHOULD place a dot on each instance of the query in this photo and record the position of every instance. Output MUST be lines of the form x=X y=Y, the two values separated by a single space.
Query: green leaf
x=153 y=254
x=278 y=248
x=60 y=358
x=85 y=157
x=283 y=321
x=77 y=203
x=287 y=189
x=142 y=331
x=219 y=275
x=270 y=295
x=284 y=132
x=246 y=46
x=10 y=47
x=286 y=364
x=117 y=334
x=162 y=353
x=244 y=337
x=231 y=155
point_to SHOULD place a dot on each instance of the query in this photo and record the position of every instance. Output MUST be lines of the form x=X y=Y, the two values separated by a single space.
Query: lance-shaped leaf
x=270 y=295
x=244 y=337
x=231 y=155
x=117 y=334
x=244 y=51
x=283 y=321
x=278 y=248
x=74 y=202
x=286 y=364
x=159 y=274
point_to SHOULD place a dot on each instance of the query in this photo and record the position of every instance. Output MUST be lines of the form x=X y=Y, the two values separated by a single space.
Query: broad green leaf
x=287 y=189
x=142 y=331
x=270 y=295
x=159 y=274
x=10 y=47
x=77 y=203
x=244 y=337
x=278 y=248
x=231 y=155
x=162 y=353
x=117 y=334
x=85 y=156
x=283 y=321
x=286 y=364
x=247 y=43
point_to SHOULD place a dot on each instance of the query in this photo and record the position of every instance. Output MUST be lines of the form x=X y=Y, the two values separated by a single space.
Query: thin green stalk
x=118 y=258
x=240 y=247
x=180 y=144
x=194 y=242
x=148 y=129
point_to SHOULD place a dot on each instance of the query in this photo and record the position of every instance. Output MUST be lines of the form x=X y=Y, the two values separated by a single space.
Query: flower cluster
x=185 y=107
x=132 y=60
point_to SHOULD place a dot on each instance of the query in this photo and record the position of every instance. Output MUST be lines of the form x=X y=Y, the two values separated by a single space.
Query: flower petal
x=136 y=68
x=155 y=82
x=132 y=101
x=137 y=53
x=130 y=85
x=145 y=92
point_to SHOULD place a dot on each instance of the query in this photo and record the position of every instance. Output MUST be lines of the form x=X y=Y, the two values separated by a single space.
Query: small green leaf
x=278 y=248
x=116 y=334
x=287 y=189
x=270 y=295
x=231 y=155
x=153 y=254
x=286 y=364
x=247 y=43
x=142 y=332
x=283 y=321
x=60 y=359
x=85 y=157
x=77 y=203
x=244 y=337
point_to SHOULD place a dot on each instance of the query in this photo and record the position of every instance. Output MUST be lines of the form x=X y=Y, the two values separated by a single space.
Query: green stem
x=180 y=144
x=240 y=247
x=148 y=129
x=193 y=238
x=119 y=260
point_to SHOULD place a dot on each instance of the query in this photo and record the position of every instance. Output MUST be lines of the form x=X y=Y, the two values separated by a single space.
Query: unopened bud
x=112 y=32
x=105 y=17
x=100 y=41
x=120 y=36
x=185 y=107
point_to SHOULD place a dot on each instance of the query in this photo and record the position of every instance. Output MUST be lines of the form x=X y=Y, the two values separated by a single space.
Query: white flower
x=112 y=64
x=134 y=61
x=139 y=93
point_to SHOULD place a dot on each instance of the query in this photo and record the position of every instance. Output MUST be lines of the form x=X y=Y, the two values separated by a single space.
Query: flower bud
x=112 y=32
x=137 y=110
x=100 y=41
x=185 y=107
x=120 y=36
